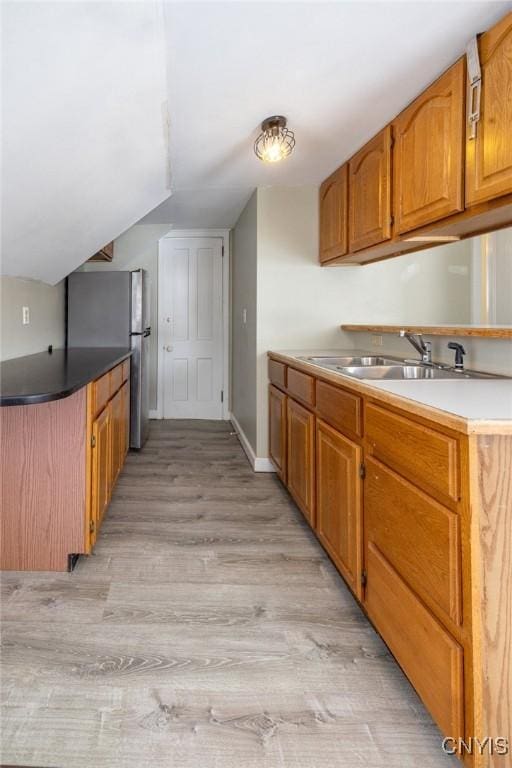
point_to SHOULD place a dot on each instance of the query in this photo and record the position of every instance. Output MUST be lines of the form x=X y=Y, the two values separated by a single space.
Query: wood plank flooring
x=207 y=630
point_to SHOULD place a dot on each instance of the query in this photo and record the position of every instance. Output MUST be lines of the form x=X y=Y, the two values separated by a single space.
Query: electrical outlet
x=25 y=315
x=244 y=316
x=377 y=341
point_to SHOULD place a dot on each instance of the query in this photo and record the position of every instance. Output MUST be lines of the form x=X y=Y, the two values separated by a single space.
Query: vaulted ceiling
x=84 y=129
x=92 y=92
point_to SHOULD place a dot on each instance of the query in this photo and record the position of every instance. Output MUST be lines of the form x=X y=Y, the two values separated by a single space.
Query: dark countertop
x=51 y=376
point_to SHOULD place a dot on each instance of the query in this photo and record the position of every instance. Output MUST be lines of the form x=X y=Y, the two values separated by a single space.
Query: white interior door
x=191 y=329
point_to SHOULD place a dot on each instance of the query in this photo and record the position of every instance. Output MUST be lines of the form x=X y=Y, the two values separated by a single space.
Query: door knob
x=167 y=348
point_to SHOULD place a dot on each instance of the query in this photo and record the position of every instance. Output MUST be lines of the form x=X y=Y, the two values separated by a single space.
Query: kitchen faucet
x=423 y=347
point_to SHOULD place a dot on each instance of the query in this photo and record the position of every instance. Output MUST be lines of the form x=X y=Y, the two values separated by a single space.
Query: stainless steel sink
x=343 y=362
x=406 y=372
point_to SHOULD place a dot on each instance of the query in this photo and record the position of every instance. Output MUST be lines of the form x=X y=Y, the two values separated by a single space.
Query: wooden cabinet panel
x=100 y=393
x=340 y=408
x=300 y=425
x=277 y=373
x=126 y=370
x=277 y=430
x=117 y=429
x=428 y=458
x=489 y=154
x=338 y=508
x=428 y=654
x=428 y=153
x=370 y=193
x=101 y=465
x=419 y=537
x=301 y=385
x=116 y=379
x=333 y=210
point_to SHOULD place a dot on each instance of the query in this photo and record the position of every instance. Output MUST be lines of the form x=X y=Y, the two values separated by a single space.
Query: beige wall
x=243 y=334
x=138 y=248
x=47 y=316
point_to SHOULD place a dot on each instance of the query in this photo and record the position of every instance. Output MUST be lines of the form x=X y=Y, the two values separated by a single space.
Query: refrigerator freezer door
x=99 y=308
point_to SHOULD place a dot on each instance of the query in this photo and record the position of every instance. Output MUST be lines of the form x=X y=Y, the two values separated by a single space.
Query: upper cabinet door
x=370 y=193
x=333 y=215
x=489 y=154
x=428 y=153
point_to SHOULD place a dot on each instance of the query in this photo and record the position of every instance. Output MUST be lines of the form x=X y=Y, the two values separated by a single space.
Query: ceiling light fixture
x=275 y=141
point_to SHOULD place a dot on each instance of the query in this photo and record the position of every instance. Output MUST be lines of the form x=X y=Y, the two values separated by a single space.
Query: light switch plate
x=377 y=341
x=25 y=315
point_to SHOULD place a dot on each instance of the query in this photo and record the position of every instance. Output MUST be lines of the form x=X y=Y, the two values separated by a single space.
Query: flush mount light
x=275 y=141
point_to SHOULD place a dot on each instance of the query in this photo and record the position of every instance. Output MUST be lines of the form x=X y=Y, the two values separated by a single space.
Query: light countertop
x=478 y=402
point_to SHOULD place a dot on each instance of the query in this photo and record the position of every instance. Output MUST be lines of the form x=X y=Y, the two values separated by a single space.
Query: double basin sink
x=373 y=367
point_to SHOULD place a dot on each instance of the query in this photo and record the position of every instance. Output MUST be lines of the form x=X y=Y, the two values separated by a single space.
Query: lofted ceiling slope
x=338 y=70
x=84 y=129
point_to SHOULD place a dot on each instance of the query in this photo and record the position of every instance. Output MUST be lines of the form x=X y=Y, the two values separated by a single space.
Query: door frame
x=223 y=235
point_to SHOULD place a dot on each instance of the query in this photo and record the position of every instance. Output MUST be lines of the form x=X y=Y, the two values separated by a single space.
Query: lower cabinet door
x=429 y=655
x=117 y=435
x=300 y=425
x=277 y=430
x=101 y=464
x=339 y=502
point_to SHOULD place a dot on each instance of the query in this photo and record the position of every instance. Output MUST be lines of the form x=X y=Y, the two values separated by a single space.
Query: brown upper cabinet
x=489 y=153
x=370 y=193
x=333 y=215
x=428 y=153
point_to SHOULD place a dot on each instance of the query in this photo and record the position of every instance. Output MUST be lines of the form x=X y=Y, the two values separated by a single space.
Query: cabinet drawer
x=277 y=373
x=419 y=537
x=126 y=370
x=100 y=393
x=339 y=408
x=301 y=385
x=428 y=654
x=427 y=457
x=116 y=379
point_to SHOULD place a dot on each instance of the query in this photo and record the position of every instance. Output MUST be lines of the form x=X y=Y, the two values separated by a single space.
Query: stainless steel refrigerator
x=110 y=309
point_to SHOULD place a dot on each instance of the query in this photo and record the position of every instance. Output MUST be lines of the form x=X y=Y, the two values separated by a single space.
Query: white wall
x=243 y=335
x=138 y=248
x=47 y=317
x=300 y=306
x=84 y=129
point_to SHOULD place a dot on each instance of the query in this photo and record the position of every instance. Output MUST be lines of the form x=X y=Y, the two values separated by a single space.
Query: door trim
x=224 y=235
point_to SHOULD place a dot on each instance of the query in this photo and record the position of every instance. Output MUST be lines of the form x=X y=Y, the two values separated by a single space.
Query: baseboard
x=257 y=463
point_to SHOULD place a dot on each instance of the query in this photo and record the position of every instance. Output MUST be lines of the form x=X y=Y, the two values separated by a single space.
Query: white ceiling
x=85 y=141
x=338 y=70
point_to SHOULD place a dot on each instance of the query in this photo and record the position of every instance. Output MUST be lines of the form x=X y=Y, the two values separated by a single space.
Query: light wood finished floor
x=208 y=630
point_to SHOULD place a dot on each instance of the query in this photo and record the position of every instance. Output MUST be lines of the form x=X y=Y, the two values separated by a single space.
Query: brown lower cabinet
x=108 y=443
x=300 y=448
x=411 y=512
x=339 y=501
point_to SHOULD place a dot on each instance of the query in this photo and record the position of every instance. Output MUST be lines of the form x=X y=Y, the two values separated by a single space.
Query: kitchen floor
x=208 y=630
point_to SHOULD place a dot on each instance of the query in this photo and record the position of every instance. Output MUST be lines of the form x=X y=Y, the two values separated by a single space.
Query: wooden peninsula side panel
x=43 y=489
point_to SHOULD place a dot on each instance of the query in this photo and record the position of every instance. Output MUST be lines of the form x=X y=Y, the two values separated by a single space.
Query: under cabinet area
x=441 y=170
x=391 y=496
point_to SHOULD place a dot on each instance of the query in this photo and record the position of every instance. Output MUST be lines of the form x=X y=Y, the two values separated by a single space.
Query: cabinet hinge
x=362 y=470
x=93 y=441
x=222 y=395
x=364 y=578
x=92 y=526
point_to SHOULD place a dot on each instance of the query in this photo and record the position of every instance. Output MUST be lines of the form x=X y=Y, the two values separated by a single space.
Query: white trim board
x=224 y=235
x=257 y=463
